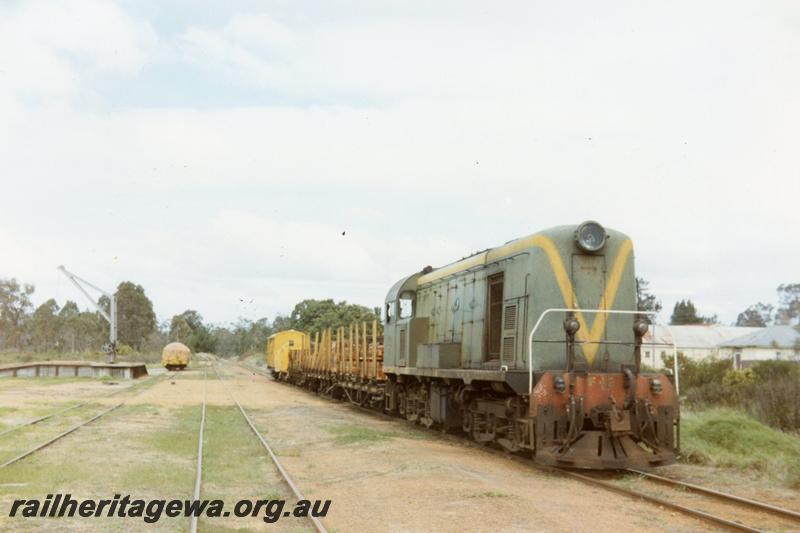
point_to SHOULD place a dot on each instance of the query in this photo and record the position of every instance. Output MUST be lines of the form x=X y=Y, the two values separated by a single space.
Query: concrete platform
x=71 y=369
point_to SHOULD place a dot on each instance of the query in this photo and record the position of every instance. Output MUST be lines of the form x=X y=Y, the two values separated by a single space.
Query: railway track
x=733 y=520
x=316 y=522
x=765 y=512
x=78 y=426
x=761 y=506
x=72 y=407
x=198 y=480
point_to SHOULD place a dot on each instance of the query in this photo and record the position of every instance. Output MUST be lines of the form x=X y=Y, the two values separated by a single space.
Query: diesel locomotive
x=534 y=346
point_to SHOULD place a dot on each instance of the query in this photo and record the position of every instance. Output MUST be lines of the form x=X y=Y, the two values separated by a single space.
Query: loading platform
x=71 y=369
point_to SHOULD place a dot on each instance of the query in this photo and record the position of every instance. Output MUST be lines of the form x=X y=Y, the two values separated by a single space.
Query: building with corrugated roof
x=695 y=342
x=770 y=343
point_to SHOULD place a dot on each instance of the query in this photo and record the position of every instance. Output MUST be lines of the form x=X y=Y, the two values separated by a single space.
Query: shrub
x=774 y=370
x=777 y=403
x=124 y=350
x=698 y=373
x=735 y=377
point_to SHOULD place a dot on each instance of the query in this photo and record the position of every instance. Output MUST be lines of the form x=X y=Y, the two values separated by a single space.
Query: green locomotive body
x=459 y=351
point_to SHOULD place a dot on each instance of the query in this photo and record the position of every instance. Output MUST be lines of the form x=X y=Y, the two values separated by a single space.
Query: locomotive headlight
x=559 y=385
x=571 y=325
x=590 y=236
x=655 y=386
x=640 y=327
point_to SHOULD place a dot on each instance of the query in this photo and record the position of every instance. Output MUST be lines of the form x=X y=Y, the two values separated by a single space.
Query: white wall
x=749 y=356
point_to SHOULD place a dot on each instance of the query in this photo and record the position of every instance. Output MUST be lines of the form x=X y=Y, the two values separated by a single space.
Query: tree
x=282 y=323
x=15 y=303
x=179 y=330
x=189 y=329
x=757 y=315
x=225 y=342
x=135 y=317
x=645 y=300
x=312 y=316
x=683 y=313
x=789 y=303
x=68 y=321
x=80 y=330
x=251 y=336
x=45 y=326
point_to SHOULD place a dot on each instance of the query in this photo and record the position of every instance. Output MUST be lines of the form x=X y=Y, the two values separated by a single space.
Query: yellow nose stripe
x=590 y=337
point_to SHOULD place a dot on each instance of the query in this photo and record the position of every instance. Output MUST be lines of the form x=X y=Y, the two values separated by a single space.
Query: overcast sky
x=215 y=152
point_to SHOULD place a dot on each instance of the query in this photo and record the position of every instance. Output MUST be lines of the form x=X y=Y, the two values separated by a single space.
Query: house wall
x=747 y=357
x=653 y=358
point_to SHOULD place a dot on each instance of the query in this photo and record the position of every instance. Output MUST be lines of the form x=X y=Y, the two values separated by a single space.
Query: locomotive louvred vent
x=510 y=317
x=403 y=344
x=508 y=349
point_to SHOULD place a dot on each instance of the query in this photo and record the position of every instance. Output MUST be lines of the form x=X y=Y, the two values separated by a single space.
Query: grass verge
x=732 y=439
x=347 y=434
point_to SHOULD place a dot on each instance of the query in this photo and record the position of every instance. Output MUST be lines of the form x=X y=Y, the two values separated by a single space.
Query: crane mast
x=111 y=317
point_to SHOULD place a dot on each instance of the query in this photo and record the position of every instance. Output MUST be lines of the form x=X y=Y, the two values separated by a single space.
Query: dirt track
x=385 y=475
x=381 y=475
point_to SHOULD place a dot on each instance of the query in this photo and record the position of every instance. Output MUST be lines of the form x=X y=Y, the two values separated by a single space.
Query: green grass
x=352 y=434
x=170 y=468
x=181 y=438
x=234 y=460
x=732 y=439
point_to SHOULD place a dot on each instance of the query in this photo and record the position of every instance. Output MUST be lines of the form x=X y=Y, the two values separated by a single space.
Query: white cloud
x=46 y=45
x=424 y=136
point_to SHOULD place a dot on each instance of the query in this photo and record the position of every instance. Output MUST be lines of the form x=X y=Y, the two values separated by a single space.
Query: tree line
x=786 y=312
x=51 y=327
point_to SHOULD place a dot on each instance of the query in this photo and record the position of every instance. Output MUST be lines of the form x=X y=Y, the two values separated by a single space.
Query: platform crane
x=111 y=317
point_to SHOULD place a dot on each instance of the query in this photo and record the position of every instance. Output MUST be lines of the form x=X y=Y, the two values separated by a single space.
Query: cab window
x=389 y=312
x=407 y=305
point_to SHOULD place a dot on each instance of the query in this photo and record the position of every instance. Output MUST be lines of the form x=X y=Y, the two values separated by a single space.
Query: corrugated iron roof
x=769 y=337
x=698 y=336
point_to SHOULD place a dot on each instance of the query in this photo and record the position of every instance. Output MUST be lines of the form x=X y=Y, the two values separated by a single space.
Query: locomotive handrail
x=608 y=311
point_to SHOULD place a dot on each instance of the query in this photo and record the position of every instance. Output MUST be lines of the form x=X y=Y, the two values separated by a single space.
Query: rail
x=199 y=475
x=70 y=408
x=295 y=489
x=63 y=434
x=787 y=513
x=708 y=517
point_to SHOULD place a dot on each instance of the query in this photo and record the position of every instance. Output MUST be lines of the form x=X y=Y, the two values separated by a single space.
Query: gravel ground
x=381 y=474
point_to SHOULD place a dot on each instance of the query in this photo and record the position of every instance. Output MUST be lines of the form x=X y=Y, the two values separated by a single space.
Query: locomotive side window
x=406 y=305
x=389 y=312
x=495 y=315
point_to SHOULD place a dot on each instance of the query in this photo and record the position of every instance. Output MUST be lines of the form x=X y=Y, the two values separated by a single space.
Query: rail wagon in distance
x=176 y=356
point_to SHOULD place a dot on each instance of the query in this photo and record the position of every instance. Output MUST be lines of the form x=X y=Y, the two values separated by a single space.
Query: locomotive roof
x=508 y=249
